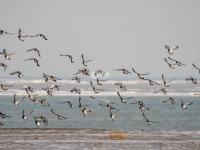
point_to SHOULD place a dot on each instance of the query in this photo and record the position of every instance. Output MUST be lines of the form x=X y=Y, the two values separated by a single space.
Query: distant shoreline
x=76 y=138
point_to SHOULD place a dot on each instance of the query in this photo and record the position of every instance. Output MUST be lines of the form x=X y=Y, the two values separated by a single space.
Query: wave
x=91 y=93
x=40 y=81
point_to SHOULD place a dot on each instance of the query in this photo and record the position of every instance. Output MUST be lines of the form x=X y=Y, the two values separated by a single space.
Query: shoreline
x=77 y=138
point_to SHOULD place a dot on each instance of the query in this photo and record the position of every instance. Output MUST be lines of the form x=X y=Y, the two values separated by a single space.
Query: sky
x=114 y=33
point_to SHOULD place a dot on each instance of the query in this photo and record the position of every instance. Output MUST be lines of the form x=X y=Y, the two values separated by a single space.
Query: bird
x=76 y=90
x=151 y=82
x=140 y=75
x=35 y=50
x=2 y=32
x=54 y=86
x=25 y=115
x=124 y=71
x=184 y=106
x=15 y=101
x=171 y=49
x=149 y=122
x=84 y=71
x=48 y=90
x=85 y=61
x=68 y=102
x=94 y=88
x=18 y=73
x=85 y=110
x=170 y=65
x=80 y=105
x=4 y=66
x=34 y=60
x=163 y=90
x=28 y=89
x=194 y=80
x=41 y=119
x=171 y=100
x=121 y=86
x=6 y=55
x=141 y=105
x=43 y=102
x=123 y=99
x=50 y=78
x=3 y=115
x=39 y=35
x=78 y=79
x=60 y=117
x=198 y=69
x=70 y=57
x=113 y=115
x=178 y=63
x=98 y=81
x=165 y=82
x=20 y=36
x=4 y=86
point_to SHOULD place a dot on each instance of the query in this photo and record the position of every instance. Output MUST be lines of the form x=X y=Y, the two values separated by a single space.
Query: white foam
x=91 y=93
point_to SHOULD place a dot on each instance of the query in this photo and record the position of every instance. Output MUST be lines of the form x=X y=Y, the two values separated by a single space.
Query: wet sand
x=51 y=139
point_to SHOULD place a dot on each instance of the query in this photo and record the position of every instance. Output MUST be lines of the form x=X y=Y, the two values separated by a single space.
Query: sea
x=165 y=116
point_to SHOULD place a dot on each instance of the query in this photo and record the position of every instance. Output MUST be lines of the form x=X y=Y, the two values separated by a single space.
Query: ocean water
x=167 y=116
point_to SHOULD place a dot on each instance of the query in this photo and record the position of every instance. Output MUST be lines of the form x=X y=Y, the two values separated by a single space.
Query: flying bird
x=165 y=82
x=94 y=88
x=78 y=79
x=34 y=60
x=198 y=69
x=50 y=78
x=60 y=117
x=76 y=90
x=184 y=106
x=2 y=32
x=123 y=99
x=4 y=87
x=70 y=57
x=171 y=100
x=140 y=75
x=39 y=35
x=4 y=66
x=194 y=80
x=151 y=82
x=149 y=122
x=170 y=65
x=18 y=73
x=3 y=115
x=171 y=49
x=85 y=110
x=6 y=55
x=84 y=71
x=177 y=62
x=40 y=119
x=85 y=61
x=121 y=86
x=124 y=71
x=35 y=50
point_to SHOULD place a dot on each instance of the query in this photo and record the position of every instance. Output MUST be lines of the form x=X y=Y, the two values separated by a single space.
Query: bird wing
x=14 y=72
x=175 y=47
x=167 y=47
x=195 y=66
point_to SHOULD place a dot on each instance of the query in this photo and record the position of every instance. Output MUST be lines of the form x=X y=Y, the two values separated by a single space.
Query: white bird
x=6 y=55
x=171 y=49
x=184 y=106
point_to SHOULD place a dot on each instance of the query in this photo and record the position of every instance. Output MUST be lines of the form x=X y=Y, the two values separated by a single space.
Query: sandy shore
x=96 y=139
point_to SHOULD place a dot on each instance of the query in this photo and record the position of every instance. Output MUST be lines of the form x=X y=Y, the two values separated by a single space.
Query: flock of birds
x=84 y=71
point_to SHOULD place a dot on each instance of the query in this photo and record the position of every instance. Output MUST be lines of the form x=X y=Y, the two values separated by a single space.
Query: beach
x=97 y=139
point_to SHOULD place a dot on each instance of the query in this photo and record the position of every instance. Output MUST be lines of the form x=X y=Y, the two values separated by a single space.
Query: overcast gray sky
x=115 y=33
